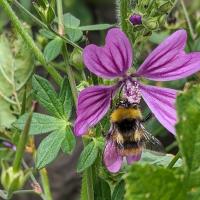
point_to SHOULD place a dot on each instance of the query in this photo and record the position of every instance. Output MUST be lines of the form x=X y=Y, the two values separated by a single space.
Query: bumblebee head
x=124 y=103
x=125 y=110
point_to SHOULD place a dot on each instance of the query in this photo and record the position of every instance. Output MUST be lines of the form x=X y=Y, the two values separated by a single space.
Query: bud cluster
x=11 y=179
x=138 y=20
x=45 y=9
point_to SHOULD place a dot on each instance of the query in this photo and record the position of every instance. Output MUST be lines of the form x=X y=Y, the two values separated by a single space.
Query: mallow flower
x=167 y=62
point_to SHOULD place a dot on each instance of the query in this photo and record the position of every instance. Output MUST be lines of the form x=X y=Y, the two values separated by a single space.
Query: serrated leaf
x=119 y=191
x=87 y=157
x=41 y=123
x=66 y=98
x=49 y=148
x=96 y=27
x=188 y=127
x=47 y=97
x=53 y=49
x=153 y=182
x=69 y=142
x=71 y=24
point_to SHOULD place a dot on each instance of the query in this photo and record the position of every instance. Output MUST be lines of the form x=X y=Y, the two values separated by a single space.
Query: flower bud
x=45 y=11
x=164 y=6
x=151 y=23
x=12 y=180
x=76 y=59
x=82 y=85
x=135 y=19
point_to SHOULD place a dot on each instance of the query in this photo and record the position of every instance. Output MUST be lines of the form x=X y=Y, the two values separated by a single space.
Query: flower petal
x=161 y=102
x=134 y=158
x=93 y=103
x=112 y=159
x=112 y=60
x=169 y=61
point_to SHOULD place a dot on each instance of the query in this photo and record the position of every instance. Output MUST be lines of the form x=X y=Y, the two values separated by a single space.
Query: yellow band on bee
x=125 y=113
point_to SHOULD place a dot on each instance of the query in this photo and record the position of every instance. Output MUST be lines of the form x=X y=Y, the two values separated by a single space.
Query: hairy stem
x=88 y=173
x=122 y=6
x=188 y=20
x=22 y=144
x=29 y=41
x=174 y=160
x=45 y=184
x=65 y=52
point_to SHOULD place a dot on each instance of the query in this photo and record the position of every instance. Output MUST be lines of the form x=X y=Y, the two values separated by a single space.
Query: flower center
x=131 y=91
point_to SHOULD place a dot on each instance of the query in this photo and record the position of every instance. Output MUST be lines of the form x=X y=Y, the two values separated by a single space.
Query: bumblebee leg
x=119 y=139
x=147 y=118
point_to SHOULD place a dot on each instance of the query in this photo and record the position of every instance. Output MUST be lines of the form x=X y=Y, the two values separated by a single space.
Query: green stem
x=27 y=38
x=123 y=10
x=41 y=24
x=174 y=160
x=25 y=192
x=89 y=178
x=188 y=19
x=21 y=145
x=33 y=178
x=35 y=19
x=65 y=52
x=90 y=190
x=88 y=173
x=45 y=184
x=70 y=74
x=171 y=146
x=60 y=17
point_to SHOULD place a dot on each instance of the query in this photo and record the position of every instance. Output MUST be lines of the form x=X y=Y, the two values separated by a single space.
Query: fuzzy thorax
x=125 y=113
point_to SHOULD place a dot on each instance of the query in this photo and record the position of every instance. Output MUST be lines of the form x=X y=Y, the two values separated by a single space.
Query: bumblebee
x=128 y=132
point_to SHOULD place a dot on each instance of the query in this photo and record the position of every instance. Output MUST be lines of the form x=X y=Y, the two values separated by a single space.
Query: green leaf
x=66 y=98
x=49 y=148
x=53 y=49
x=47 y=34
x=16 y=67
x=40 y=123
x=69 y=142
x=101 y=189
x=154 y=159
x=71 y=21
x=87 y=157
x=188 y=127
x=96 y=27
x=47 y=97
x=153 y=182
x=157 y=38
x=119 y=191
x=71 y=24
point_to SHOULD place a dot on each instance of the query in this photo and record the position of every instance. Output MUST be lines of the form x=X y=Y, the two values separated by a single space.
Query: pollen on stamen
x=132 y=92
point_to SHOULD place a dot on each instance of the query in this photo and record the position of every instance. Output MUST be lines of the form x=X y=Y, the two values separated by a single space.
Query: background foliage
x=41 y=74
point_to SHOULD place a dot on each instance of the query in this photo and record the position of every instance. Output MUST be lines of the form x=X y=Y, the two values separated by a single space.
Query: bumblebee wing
x=151 y=143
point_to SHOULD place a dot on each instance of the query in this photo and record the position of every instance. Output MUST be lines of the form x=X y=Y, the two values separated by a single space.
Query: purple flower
x=9 y=145
x=135 y=19
x=167 y=62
